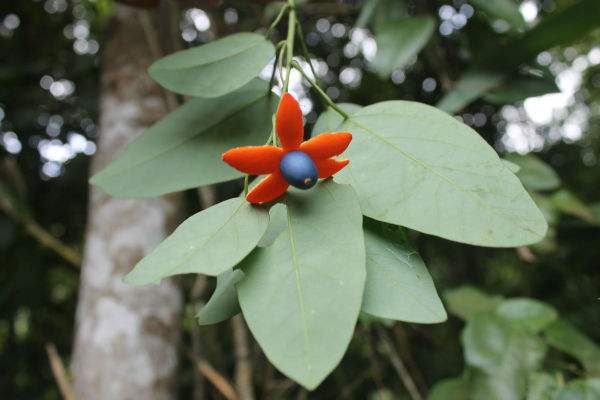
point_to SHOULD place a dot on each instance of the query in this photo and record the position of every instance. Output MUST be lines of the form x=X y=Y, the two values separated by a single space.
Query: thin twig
x=60 y=375
x=398 y=365
x=217 y=380
x=243 y=364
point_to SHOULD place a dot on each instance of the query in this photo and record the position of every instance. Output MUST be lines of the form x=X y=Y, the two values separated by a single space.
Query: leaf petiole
x=320 y=91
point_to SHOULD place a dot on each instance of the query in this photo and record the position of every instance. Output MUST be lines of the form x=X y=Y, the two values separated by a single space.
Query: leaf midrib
x=299 y=291
x=441 y=176
x=178 y=144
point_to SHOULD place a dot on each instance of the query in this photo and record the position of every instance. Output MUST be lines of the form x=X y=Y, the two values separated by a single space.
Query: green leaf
x=216 y=68
x=330 y=120
x=520 y=89
x=506 y=10
x=415 y=166
x=580 y=389
x=542 y=386
x=503 y=356
x=209 y=242
x=472 y=85
x=277 y=224
x=450 y=389
x=568 y=339
x=223 y=304
x=514 y=168
x=399 y=41
x=530 y=314
x=467 y=301
x=534 y=173
x=367 y=12
x=301 y=296
x=183 y=150
x=398 y=284
x=557 y=29
x=568 y=203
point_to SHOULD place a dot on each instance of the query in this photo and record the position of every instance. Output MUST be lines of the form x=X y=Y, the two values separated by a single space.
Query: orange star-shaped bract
x=263 y=160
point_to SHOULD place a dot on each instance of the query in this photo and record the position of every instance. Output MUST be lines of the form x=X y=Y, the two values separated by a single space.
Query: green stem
x=305 y=51
x=323 y=95
x=291 y=35
x=246 y=180
x=277 y=19
x=278 y=55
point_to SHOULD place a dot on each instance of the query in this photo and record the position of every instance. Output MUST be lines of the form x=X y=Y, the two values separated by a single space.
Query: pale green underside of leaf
x=301 y=296
x=534 y=173
x=415 y=166
x=398 y=284
x=330 y=120
x=223 y=304
x=209 y=242
x=399 y=41
x=277 y=224
x=216 y=68
x=183 y=150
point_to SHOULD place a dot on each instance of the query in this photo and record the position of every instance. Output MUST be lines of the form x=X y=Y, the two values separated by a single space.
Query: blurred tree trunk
x=126 y=337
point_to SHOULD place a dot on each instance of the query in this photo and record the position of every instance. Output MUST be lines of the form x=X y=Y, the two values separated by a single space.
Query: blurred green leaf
x=398 y=284
x=183 y=150
x=530 y=314
x=568 y=339
x=503 y=356
x=471 y=85
x=223 y=304
x=568 y=203
x=542 y=386
x=209 y=242
x=507 y=10
x=399 y=41
x=330 y=120
x=302 y=295
x=580 y=389
x=450 y=389
x=556 y=29
x=216 y=68
x=467 y=301
x=415 y=166
x=534 y=173
x=520 y=89
x=367 y=12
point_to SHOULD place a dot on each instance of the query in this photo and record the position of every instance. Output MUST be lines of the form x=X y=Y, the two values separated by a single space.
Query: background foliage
x=49 y=52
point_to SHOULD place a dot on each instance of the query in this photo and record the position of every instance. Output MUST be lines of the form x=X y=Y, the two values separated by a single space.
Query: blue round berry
x=299 y=169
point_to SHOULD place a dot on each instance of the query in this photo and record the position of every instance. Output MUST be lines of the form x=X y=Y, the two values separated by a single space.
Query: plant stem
x=277 y=19
x=327 y=99
x=305 y=51
x=291 y=35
